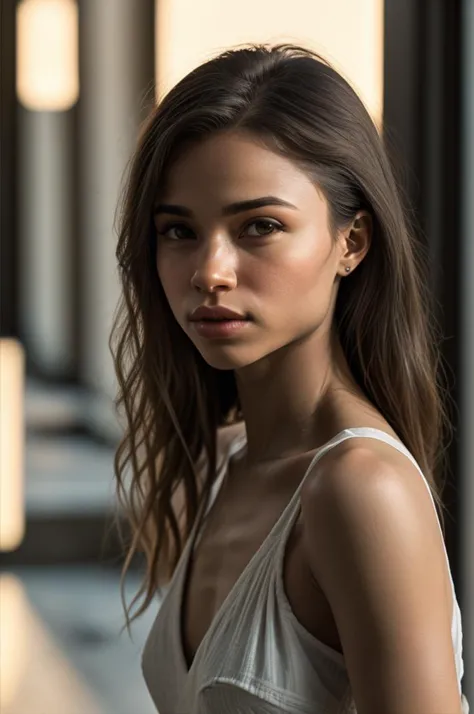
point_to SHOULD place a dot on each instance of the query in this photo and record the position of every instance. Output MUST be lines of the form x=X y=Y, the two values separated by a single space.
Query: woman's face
x=273 y=263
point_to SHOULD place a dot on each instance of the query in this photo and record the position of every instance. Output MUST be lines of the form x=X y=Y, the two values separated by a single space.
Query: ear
x=355 y=242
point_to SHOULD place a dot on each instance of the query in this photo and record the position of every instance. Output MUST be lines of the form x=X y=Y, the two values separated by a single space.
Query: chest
x=235 y=529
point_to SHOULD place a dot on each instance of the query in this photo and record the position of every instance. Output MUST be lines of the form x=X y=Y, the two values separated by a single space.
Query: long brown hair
x=172 y=400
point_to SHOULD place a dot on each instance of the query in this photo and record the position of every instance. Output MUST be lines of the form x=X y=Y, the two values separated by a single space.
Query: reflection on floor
x=60 y=647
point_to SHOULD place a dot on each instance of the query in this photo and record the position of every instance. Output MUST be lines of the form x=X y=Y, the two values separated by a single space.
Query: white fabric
x=256 y=657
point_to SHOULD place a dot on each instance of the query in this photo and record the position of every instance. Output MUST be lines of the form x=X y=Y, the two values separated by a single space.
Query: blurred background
x=77 y=79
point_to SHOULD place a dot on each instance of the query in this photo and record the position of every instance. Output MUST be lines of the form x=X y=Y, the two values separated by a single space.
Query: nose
x=215 y=269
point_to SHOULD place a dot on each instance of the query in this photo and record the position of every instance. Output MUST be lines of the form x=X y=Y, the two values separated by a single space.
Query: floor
x=61 y=651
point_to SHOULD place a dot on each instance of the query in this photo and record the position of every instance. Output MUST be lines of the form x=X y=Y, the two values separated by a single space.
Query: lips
x=219 y=323
x=216 y=314
x=221 y=329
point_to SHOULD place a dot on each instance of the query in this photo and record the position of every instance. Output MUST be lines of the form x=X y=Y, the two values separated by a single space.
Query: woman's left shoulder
x=372 y=498
x=363 y=470
x=372 y=542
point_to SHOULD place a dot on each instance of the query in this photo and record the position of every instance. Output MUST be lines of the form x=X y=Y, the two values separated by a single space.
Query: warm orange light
x=35 y=674
x=47 y=54
x=13 y=652
x=12 y=510
x=349 y=33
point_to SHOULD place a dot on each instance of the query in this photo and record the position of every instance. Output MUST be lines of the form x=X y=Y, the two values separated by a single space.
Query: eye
x=263 y=227
x=182 y=232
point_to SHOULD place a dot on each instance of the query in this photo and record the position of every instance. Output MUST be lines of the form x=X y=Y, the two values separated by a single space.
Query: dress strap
x=236 y=444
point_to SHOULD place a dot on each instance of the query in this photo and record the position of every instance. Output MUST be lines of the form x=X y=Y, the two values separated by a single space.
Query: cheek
x=292 y=277
x=170 y=274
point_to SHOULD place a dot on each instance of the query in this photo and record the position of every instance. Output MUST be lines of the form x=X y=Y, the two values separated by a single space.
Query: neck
x=288 y=398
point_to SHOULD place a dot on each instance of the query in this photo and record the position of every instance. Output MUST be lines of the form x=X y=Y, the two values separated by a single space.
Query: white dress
x=256 y=657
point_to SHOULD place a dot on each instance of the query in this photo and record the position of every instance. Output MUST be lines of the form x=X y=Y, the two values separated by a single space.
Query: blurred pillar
x=45 y=193
x=117 y=83
x=47 y=86
x=467 y=353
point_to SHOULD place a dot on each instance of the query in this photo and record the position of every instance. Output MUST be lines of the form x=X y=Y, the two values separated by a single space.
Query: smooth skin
x=371 y=535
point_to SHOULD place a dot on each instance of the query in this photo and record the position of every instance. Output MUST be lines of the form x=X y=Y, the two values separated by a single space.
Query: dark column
x=8 y=235
x=422 y=122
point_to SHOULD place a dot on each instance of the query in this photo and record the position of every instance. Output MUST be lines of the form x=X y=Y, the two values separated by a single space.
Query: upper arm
x=373 y=544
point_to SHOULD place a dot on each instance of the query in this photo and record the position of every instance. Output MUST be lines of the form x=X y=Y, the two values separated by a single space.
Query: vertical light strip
x=47 y=54
x=349 y=34
x=12 y=512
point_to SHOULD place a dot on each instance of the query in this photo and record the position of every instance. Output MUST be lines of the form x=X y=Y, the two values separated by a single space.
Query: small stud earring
x=348 y=270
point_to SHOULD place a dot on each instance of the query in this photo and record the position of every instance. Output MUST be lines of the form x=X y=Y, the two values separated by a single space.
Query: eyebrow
x=230 y=210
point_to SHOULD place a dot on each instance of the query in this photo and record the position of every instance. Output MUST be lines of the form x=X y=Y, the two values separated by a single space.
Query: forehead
x=231 y=167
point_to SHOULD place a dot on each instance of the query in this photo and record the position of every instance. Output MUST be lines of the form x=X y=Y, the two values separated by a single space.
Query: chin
x=226 y=356
x=224 y=359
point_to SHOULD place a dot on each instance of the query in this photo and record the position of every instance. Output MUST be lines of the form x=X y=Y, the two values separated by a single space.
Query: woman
x=278 y=372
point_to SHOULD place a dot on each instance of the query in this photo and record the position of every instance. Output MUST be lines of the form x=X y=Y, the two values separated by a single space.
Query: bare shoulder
x=361 y=474
x=373 y=544
x=369 y=493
